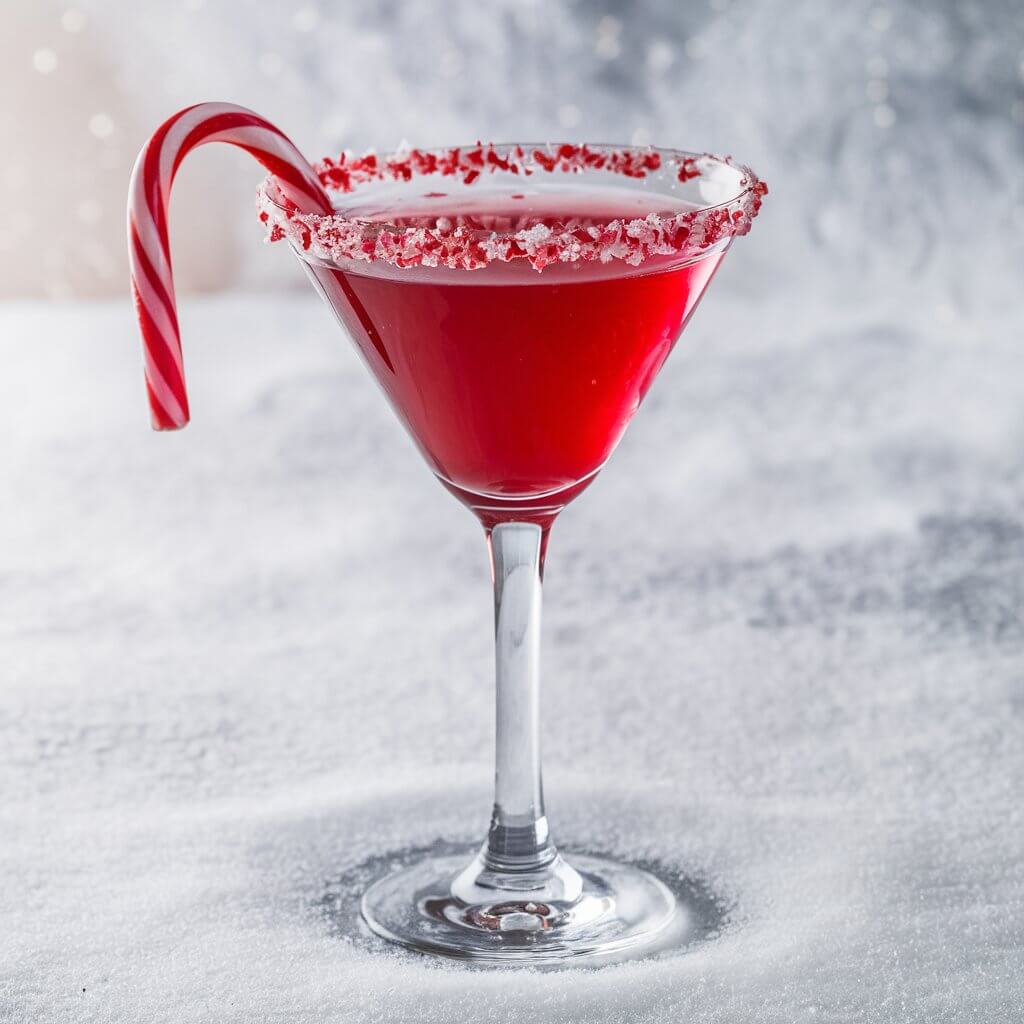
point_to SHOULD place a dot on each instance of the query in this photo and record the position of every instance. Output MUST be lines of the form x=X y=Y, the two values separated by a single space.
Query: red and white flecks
x=470 y=246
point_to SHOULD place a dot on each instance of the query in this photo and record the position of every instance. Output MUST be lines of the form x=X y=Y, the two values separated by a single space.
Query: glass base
x=603 y=911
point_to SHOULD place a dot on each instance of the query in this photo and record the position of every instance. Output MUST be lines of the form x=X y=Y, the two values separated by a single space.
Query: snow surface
x=784 y=655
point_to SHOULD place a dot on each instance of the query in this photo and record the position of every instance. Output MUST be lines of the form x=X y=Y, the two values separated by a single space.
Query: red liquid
x=517 y=384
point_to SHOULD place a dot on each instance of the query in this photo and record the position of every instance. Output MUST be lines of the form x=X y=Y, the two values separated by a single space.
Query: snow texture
x=783 y=656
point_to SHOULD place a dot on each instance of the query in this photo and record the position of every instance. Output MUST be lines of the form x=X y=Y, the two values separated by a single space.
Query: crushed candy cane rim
x=339 y=238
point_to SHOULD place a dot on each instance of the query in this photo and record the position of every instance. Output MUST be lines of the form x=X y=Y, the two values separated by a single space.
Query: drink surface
x=497 y=208
x=516 y=383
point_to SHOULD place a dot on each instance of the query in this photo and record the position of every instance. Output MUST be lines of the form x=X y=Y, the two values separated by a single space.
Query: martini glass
x=515 y=303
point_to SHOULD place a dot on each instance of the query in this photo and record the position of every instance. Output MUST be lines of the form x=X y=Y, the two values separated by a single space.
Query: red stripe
x=159 y=416
x=160 y=354
x=289 y=173
x=145 y=266
x=151 y=177
x=219 y=123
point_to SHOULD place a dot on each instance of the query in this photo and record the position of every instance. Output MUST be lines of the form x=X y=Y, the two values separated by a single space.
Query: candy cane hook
x=148 y=242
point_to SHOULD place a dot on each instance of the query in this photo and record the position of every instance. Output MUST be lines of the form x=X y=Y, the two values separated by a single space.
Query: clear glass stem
x=518 y=837
x=518 y=900
x=519 y=860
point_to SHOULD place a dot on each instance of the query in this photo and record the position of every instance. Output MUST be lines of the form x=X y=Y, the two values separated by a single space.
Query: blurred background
x=892 y=134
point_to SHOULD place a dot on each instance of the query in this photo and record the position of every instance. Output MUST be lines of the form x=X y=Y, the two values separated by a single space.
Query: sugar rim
x=338 y=238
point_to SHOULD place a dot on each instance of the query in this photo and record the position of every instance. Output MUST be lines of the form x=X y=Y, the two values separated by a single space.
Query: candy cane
x=148 y=243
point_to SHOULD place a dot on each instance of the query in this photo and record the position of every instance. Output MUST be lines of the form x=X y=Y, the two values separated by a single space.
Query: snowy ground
x=784 y=654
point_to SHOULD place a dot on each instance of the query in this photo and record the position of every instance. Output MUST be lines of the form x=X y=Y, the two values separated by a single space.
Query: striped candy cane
x=148 y=243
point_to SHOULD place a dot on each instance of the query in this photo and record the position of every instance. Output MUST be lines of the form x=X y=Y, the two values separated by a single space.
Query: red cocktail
x=516 y=384
x=515 y=304
x=515 y=364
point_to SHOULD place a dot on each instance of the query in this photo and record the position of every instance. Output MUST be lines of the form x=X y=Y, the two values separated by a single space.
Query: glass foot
x=596 y=911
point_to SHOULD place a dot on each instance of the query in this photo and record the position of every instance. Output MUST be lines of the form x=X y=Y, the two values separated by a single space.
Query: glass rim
x=340 y=235
x=748 y=179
